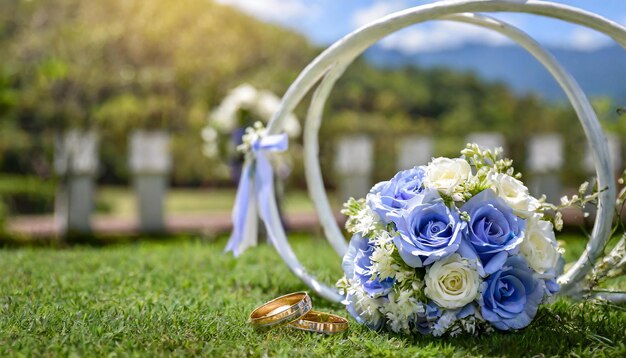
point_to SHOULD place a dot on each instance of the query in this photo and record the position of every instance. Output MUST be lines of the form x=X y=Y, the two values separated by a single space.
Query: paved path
x=214 y=223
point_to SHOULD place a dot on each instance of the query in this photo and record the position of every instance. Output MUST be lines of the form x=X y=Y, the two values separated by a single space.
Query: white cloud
x=282 y=11
x=587 y=40
x=378 y=9
x=441 y=35
x=432 y=36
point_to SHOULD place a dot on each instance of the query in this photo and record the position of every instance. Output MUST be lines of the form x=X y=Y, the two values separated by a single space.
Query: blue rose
x=552 y=286
x=512 y=295
x=427 y=230
x=388 y=196
x=356 y=265
x=423 y=322
x=494 y=230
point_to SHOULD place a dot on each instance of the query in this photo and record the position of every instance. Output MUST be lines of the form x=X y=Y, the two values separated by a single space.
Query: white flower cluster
x=400 y=307
x=361 y=219
x=250 y=136
x=430 y=247
x=368 y=308
x=383 y=263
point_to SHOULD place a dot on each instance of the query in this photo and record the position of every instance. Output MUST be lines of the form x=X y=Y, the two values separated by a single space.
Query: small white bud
x=583 y=187
x=558 y=221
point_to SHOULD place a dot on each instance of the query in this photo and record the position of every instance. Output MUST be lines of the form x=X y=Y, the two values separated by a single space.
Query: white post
x=487 y=140
x=353 y=164
x=150 y=165
x=414 y=151
x=76 y=162
x=545 y=159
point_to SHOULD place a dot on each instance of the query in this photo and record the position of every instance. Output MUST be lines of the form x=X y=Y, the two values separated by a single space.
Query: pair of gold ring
x=296 y=311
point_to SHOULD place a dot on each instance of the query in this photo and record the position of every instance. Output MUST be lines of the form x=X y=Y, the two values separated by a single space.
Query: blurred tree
x=118 y=65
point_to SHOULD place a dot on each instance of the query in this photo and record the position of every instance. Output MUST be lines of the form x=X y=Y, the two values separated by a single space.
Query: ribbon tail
x=265 y=193
x=251 y=226
x=242 y=210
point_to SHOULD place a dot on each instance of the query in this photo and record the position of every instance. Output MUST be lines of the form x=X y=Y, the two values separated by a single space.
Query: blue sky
x=325 y=21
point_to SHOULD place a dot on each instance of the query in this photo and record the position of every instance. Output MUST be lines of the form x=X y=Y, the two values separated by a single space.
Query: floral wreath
x=224 y=119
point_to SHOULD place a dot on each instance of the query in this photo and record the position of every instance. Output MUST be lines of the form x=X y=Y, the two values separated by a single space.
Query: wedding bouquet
x=458 y=245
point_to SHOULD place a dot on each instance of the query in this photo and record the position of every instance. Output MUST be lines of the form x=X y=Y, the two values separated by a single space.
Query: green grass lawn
x=120 y=201
x=185 y=297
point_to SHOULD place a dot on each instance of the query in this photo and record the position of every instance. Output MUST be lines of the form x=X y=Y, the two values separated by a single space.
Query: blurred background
x=120 y=117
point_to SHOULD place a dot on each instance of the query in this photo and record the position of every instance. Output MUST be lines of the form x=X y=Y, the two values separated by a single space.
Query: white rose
x=452 y=282
x=514 y=193
x=445 y=174
x=539 y=247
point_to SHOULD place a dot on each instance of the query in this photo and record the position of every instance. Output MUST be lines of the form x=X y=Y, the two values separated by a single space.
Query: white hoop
x=334 y=60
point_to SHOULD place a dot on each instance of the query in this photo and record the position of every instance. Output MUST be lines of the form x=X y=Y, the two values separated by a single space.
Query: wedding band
x=321 y=322
x=281 y=310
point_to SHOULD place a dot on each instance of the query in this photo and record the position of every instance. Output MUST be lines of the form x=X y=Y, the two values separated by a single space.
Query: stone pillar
x=488 y=140
x=353 y=164
x=414 y=151
x=545 y=159
x=76 y=163
x=150 y=165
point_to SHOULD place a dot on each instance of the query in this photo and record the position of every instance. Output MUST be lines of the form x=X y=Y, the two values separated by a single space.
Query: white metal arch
x=332 y=62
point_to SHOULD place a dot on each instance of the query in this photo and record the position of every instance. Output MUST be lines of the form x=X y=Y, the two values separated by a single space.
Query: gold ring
x=321 y=322
x=281 y=310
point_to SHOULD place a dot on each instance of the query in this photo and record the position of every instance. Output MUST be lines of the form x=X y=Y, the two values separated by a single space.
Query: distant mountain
x=599 y=73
